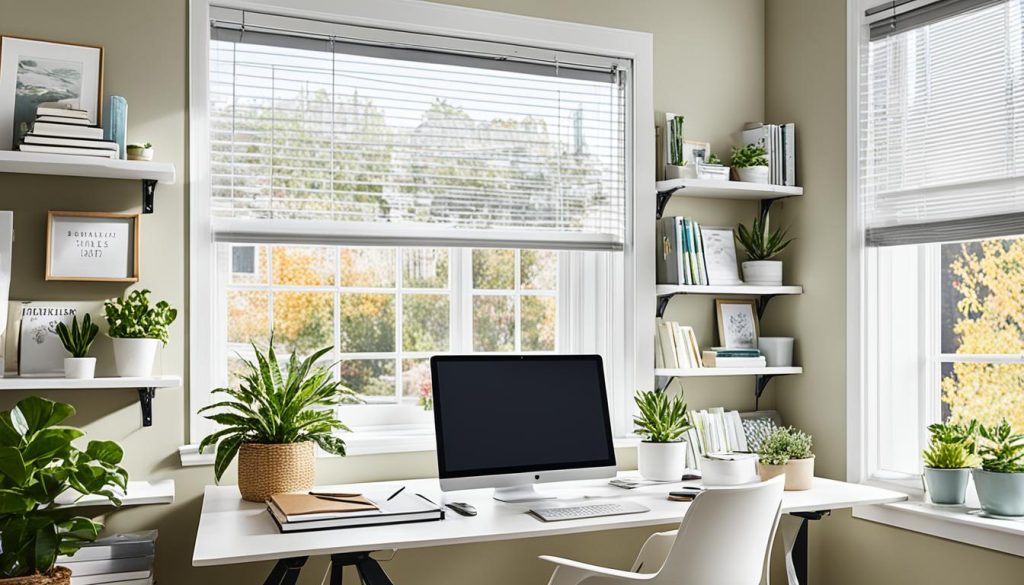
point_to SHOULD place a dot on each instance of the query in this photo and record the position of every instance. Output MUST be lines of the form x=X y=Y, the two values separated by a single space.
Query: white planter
x=777 y=351
x=753 y=174
x=80 y=368
x=763 y=272
x=732 y=469
x=661 y=461
x=680 y=172
x=134 y=357
x=140 y=154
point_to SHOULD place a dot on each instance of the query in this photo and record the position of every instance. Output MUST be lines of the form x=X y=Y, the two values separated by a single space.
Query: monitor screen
x=512 y=414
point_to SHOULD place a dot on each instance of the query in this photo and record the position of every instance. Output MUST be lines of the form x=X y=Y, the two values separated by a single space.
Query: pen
x=392 y=496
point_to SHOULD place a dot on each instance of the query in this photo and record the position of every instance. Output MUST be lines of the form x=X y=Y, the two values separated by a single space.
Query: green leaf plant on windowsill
x=948 y=460
x=1000 y=480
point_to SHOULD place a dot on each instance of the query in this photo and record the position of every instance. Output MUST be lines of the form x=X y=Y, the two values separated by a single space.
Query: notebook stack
x=329 y=510
x=724 y=357
x=120 y=559
x=60 y=130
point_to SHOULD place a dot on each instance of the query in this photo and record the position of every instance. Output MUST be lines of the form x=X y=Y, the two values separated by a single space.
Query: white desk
x=234 y=531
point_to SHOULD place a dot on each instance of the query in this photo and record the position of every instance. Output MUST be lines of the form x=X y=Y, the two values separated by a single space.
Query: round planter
x=661 y=461
x=139 y=153
x=799 y=473
x=134 y=357
x=734 y=470
x=753 y=174
x=763 y=272
x=777 y=351
x=56 y=576
x=264 y=470
x=80 y=368
x=946 y=486
x=1000 y=494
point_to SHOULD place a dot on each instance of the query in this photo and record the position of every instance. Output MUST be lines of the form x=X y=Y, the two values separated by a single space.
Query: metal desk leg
x=370 y=572
x=286 y=571
x=794 y=538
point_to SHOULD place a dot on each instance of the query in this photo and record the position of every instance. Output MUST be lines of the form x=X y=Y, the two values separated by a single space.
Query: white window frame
x=634 y=367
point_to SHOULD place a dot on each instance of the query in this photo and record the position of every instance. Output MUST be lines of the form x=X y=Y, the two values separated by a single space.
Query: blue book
x=115 y=123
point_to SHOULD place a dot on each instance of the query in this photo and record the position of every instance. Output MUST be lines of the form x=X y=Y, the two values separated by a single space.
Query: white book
x=668 y=346
x=64 y=120
x=789 y=136
x=740 y=362
x=682 y=353
x=105 y=566
x=737 y=426
x=659 y=361
x=115 y=546
x=110 y=577
x=68 y=130
x=58 y=109
x=695 y=347
x=72 y=150
x=61 y=141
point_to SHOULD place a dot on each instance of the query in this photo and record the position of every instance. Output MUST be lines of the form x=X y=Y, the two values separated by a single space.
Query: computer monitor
x=509 y=422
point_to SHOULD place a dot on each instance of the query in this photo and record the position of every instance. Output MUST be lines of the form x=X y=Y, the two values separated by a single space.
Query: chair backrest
x=725 y=536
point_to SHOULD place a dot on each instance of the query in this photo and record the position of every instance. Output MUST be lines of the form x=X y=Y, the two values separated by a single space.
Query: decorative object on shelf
x=273 y=419
x=787 y=451
x=777 y=351
x=6 y=253
x=92 y=246
x=720 y=255
x=40 y=462
x=136 y=329
x=662 y=422
x=779 y=141
x=77 y=340
x=1000 y=480
x=115 y=123
x=737 y=323
x=758 y=426
x=761 y=246
x=675 y=161
x=712 y=169
x=34 y=72
x=719 y=469
x=751 y=163
x=140 y=151
x=40 y=352
x=948 y=461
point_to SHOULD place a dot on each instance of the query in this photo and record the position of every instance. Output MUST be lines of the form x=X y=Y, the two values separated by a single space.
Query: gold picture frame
x=91 y=246
x=738 y=325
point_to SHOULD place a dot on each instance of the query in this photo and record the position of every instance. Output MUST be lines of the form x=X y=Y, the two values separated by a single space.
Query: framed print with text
x=92 y=246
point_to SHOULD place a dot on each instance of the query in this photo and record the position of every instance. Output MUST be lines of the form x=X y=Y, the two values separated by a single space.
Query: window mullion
x=399 y=297
x=517 y=289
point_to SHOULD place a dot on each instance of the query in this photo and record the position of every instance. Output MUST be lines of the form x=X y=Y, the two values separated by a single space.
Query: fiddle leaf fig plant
x=661 y=419
x=133 y=317
x=77 y=340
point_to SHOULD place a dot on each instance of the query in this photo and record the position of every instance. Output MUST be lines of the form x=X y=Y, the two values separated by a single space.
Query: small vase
x=133 y=358
x=661 y=461
x=753 y=174
x=265 y=470
x=946 y=486
x=763 y=272
x=777 y=351
x=83 y=368
x=1000 y=494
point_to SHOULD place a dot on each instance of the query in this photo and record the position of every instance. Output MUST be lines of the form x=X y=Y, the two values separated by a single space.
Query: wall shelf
x=664 y=376
x=36 y=163
x=665 y=292
x=140 y=493
x=146 y=387
x=734 y=190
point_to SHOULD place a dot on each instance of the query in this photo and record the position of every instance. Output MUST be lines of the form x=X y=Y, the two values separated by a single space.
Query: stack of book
x=715 y=431
x=684 y=263
x=60 y=130
x=120 y=559
x=676 y=347
x=724 y=357
x=780 y=142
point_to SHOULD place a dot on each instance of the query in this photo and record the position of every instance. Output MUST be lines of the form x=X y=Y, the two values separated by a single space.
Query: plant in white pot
x=948 y=461
x=787 y=451
x=137 y=329
x=662 y=422
x=1000 y=481
x=77 y=340
x=273 y=420
x=751 y=163
x=761 y=245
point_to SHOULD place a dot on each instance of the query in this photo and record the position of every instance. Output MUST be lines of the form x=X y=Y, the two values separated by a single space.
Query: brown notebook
x=303 y=504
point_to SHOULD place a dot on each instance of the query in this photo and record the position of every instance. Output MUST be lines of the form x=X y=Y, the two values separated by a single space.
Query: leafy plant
x=676 y=142
x=134 y=318
x=952 y=446
x=955 y=433
x=78 y=340
x=271 y=408
x=1002 y=451
x=713 y=159
x=37 y=463
x=661 y=419
x=751 y=155
x=785 y=444
x=759 y=242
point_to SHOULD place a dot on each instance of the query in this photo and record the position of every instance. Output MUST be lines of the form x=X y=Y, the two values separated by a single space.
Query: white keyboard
x=557 y=513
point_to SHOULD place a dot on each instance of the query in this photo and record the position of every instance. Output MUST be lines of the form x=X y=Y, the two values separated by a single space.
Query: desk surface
x=235 y=531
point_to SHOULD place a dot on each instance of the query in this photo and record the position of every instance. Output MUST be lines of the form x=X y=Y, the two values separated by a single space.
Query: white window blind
x=941 y=123
x=329 y=133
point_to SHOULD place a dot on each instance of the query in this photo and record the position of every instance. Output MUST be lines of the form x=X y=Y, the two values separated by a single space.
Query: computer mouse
x=462 y=508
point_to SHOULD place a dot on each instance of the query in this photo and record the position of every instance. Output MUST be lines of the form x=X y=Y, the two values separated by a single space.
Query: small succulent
x=759 y=242
x=785 y=444
x=77 y=340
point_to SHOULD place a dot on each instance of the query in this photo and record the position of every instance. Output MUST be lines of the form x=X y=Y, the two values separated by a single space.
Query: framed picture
x=90 y=246
x=34 y=72
x=696 y=152
x=737 y=323
x=720 y=255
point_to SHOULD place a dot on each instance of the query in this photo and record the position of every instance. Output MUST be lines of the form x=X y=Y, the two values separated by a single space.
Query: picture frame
x=738 y=326
x=92 y=246
x=695 y=152
x=37 y=71
x=720 y=255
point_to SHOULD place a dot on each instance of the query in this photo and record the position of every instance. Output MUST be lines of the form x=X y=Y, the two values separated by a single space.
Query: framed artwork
x=737 y=323
x=720 y=255
x=91 y=246
x=696 y=152
x=35 y=72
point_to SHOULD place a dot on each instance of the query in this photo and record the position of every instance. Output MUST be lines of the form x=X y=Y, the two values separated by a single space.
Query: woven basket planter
x=57 y=576
x=264 y=470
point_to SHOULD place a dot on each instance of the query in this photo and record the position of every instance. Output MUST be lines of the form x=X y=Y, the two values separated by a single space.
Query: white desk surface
x=234 y=531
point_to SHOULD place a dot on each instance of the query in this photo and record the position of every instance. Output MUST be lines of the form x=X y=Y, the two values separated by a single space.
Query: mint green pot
x=946 y=486
x=1000 y=494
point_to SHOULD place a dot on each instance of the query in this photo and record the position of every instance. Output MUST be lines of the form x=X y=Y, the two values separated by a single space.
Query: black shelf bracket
x=762 y=304
x=663 y=382
x=663 y=199
x=663 y=304
x=760 y=383
x=148 y=193
x=146 y=402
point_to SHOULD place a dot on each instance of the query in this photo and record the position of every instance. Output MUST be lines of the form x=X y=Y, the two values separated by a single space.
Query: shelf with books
x=665 y=292
x=664 y=376
x=146 y=387
x=711 y=189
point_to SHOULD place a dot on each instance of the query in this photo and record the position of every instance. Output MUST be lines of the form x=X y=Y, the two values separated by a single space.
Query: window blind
x=940 y=127
x=330 y=133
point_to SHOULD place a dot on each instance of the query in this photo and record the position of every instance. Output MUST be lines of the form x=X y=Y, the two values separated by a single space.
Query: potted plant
x=948 y=461
x=761 y=246
x=77 y=340
x=272 y=421
x=662 y=422
x=140 y=151
x=137 y=328
x=751 y=163
x=39 y=462
x=787 y=451
x=1000 y=481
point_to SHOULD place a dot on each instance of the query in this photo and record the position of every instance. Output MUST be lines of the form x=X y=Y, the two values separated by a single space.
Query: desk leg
x=286 y=571
x=370 y=572
x=794 y=538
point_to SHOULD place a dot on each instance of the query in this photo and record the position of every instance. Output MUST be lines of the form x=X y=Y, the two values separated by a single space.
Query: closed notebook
x=378 y=510
x=299 y=507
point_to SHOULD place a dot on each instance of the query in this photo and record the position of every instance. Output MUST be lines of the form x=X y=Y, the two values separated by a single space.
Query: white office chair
x=724 y=539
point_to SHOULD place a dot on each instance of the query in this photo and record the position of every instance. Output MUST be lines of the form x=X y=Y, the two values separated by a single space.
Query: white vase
x=661 y=461
x=134 y=357
x=777 y=351
x=763 y=272
x=753 y=174
x=83 y=368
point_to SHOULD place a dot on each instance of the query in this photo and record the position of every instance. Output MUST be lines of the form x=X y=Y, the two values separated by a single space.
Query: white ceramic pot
x=763 y=272
x=777 y=351
x=80 y=368
x=753 y=174
x=134 y=357
x=140 y=153
x=661 y=461
x=680 y=172
x=732 y=469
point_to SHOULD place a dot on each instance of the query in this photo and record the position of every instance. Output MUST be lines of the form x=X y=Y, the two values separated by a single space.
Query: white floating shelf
x=30 y=383
x=140 y=493
x=716 y=372
x=664 y=290
x=708 y=189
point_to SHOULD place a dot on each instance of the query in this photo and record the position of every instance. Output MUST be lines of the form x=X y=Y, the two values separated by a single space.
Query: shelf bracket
x=148 y=193
x=762 y=304
x=663 y=304
x=760 y=383
x=766 y=206
x=663 y=199
x=661 y=383
x=146 y=402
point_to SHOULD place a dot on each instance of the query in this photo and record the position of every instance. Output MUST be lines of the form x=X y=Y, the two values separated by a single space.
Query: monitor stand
x=520 y=493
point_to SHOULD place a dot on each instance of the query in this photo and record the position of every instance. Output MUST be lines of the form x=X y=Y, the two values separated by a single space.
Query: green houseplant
x=948 y=461
x=762 y=244
x=1000 y=480
x=272 y=421
x=787 y=451
x=77 y=341
x=142 y=151
x=38 y=462
x=661 y=421
x=137 y=328
x=751 y=162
